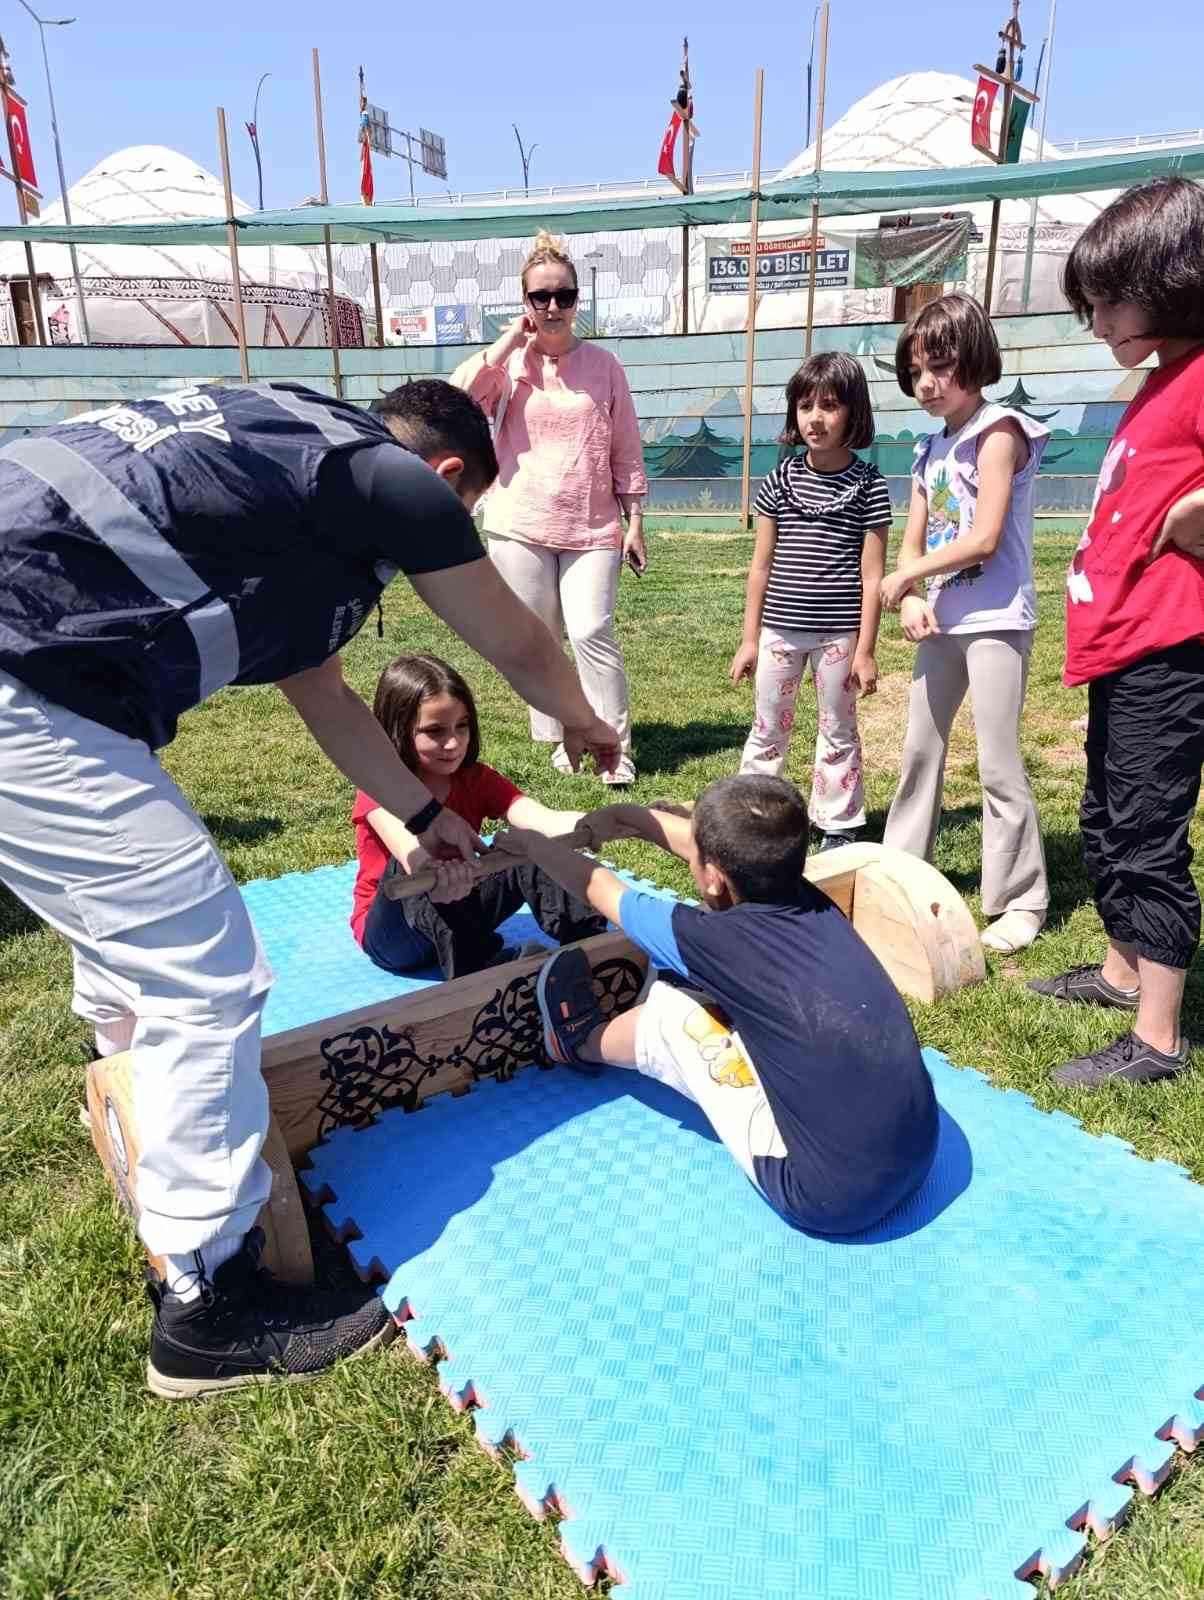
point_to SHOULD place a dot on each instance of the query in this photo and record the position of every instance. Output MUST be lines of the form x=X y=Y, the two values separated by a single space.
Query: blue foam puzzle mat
x=302 y=922
x=730 y=1409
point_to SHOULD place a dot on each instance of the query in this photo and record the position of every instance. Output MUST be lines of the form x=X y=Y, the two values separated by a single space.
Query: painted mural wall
x=688 y=393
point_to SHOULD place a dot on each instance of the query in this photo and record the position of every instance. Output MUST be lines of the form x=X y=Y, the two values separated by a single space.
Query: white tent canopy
x=919 y=120
x=148 y=294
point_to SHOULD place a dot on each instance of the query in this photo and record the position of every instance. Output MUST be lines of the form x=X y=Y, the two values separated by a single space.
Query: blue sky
x=588 y=84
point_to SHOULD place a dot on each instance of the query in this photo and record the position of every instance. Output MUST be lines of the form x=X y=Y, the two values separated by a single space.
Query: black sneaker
x=569 y=1006
x=247 y=1328
x=833 y=841
x=1085 y=986
x=1129 y=1059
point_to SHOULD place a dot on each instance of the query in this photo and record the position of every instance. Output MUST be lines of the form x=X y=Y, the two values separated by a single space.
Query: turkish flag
x=980 y=122
x=667 y=165
x=18 y=132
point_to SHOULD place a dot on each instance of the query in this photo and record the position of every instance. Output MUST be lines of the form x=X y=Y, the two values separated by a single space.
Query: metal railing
x=1133 y=141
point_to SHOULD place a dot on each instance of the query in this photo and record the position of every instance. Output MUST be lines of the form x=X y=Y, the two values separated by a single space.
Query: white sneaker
x=622 y=776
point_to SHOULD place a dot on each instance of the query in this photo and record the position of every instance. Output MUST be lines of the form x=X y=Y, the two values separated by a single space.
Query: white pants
x=683 y=1040
x=837 y=803
x=100 y=843
x=573 y=592
x=994 y=668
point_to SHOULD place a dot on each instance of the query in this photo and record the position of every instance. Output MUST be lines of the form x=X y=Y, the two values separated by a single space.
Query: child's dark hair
x=432 y=417
x=404 y=684
x=1147 y=247
x=755 y=831
x=842 y=376
x=953 y=328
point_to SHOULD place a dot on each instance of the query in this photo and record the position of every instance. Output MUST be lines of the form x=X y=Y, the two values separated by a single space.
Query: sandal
x=560 y=760
x=622 y=776
x=1014 y=930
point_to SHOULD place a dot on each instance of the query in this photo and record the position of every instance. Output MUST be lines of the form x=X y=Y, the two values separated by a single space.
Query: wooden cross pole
x=750 y=333
x=687 y=187
x=324 y=195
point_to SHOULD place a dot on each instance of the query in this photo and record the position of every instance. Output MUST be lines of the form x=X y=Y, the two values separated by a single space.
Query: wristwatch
x=421 y=820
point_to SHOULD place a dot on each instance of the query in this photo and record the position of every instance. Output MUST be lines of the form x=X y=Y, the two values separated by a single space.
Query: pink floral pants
x=837 y=797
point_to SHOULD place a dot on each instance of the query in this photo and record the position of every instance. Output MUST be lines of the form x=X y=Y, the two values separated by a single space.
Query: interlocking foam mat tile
x=729 y=1409
x=302 y=921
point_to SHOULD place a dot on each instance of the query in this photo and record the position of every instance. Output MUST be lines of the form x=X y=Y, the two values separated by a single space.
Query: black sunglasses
x=542 y=298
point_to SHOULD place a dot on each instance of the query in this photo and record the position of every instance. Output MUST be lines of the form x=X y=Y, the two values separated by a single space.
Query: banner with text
x=931 y=253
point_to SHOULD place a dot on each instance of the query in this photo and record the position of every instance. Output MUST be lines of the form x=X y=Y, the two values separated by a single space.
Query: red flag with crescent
x=667 y=165
x=367 y=185
x=980 y=122
x=18 y=132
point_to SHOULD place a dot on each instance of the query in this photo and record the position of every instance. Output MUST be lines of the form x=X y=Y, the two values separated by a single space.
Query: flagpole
x=819 y=161
x=1005 y=122
x=232 y=233
x=1032 y=215
x=324 y=196
x=35 y=299
x=380 y=316
x=687 y=173
x=750 y=332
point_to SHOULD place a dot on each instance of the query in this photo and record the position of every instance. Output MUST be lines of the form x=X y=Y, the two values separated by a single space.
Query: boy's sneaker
x=1085 y=986
x=244 y=1328
x=569 y=1007
x=833 y=841
x=1129 y=1059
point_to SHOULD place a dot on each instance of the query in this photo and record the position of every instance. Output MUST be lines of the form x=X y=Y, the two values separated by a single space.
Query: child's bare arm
x=669 y=830
x=1183 y=528
x=527 y=813
x=744 y=662
x=576 y=874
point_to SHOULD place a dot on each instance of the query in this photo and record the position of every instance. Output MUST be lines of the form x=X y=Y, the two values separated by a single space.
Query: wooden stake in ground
x=819 y=162
x=324 y=197
x=750 y=330
x=240 y=324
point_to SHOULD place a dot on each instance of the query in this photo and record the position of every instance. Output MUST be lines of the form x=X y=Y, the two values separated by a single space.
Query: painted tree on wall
x=701 y=454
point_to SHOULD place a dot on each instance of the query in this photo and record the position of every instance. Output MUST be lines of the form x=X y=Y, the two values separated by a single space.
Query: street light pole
x=44 y=23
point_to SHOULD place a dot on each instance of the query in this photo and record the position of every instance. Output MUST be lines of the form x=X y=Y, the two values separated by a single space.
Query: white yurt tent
x=919 y=120
x=169 y=295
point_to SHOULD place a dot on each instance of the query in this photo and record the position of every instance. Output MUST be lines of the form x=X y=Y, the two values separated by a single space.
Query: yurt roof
x=149 y=183
x=922 y=120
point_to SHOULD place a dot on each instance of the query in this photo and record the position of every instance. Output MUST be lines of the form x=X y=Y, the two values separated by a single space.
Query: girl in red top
x=1135 y=628
x=428 y=712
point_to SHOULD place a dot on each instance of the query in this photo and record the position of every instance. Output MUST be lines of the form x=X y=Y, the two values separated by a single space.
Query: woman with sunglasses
x=571 y=473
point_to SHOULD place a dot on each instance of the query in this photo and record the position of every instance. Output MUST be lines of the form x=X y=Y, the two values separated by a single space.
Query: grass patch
x=366 y=1484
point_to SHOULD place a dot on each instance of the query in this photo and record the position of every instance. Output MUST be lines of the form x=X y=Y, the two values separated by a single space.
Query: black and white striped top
x=822 y=519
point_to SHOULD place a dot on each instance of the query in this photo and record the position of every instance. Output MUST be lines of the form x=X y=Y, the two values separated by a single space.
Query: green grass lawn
x=366 y=1484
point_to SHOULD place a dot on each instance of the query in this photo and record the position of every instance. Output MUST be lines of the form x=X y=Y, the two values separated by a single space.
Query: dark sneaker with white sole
x=1085 y=986
x=246 y=1328
x=569 y=1006
x=1128 y=1059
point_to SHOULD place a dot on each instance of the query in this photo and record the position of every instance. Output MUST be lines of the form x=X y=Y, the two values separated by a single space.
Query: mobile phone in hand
x=633 y=564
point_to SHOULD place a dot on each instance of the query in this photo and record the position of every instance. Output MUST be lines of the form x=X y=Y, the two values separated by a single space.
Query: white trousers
x=837 y=803
x=100 y=843
x=683 y=1040
x=573 y=592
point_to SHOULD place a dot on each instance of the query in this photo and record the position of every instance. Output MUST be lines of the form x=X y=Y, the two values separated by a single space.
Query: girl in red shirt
x=429 y=713
x=1135 y=628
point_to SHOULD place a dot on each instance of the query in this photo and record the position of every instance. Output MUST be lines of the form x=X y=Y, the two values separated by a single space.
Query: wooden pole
x=819 y=161
x=750 y=332
x=380 y=316
x=232 y=233
x=324 y=196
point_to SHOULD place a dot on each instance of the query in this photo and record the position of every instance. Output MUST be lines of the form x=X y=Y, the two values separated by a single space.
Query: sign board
x=434 y=153
x=380 y=134
x=932 y=253
x=426 y=324
x=496 y=318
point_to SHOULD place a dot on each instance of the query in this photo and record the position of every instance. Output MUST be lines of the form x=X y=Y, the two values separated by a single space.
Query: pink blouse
x=568 y=444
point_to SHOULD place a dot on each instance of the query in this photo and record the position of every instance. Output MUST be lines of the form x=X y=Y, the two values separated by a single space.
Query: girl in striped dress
x=813 y=595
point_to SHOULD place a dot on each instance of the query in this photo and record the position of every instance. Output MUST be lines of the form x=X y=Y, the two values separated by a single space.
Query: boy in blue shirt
x=785 y=1029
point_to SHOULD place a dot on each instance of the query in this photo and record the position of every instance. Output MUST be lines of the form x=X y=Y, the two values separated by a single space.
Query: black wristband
x=421 y=820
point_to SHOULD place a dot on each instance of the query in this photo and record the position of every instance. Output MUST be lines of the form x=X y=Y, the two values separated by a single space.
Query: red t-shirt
x=1118 y=609
x=476 y=792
